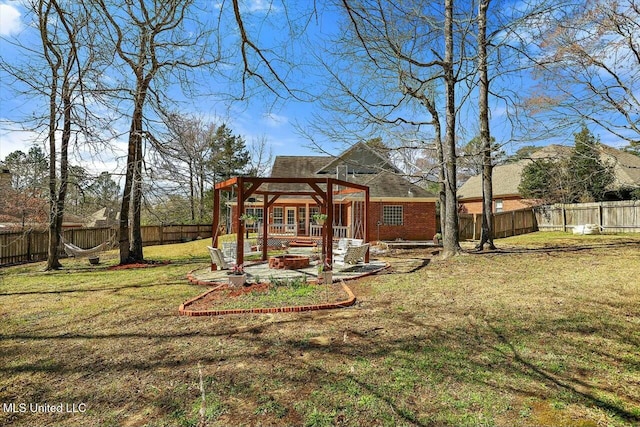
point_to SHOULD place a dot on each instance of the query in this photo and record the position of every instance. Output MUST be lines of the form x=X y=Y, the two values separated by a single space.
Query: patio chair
x=345 y=243
x=353 y=255
x=217 y=258
x=229 y=249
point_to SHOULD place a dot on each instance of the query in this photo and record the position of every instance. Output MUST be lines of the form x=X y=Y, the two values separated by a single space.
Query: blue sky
x=263 y=117
x=259 y=117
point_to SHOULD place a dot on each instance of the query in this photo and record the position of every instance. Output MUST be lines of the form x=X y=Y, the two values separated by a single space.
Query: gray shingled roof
x=381 y=184
x=506 y=178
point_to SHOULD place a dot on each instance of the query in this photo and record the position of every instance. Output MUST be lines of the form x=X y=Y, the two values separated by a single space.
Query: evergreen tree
x=546 y=181
x=583 y=177
x=229 y=153
x=590 y=176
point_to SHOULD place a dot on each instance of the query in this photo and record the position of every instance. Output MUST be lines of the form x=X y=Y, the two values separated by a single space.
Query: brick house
x=507 y=177
x=398 y=209
x=506 y=196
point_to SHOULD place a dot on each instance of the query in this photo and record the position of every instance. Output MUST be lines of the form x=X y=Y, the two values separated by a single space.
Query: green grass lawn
x=543 y=332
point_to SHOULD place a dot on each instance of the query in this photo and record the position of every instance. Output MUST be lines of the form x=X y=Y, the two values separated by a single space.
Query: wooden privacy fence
x=614 y=217
x=32 y=245
x=505 y=224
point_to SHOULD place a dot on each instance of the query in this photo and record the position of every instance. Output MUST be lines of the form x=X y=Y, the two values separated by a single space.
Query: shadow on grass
x=557 y=248
x=436 y=358
x=455 y=360
x=97 y=289
x=536 y=373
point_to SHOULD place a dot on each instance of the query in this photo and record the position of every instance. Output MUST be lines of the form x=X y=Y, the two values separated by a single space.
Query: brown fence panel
x=466 y=225
x=152 y=235
x=505 y=224
x=622 y=216
x=18 y=247
x=14 y=247
x=87 y=238
x=38 y=245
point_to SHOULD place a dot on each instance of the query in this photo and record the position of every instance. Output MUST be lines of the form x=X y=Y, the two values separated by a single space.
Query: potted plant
x=319 y=218
x=437 y=238
x=248 y=219
x=237 y=277
x=325 y=273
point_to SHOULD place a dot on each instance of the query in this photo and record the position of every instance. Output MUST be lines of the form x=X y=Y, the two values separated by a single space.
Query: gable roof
x=359 y=158
x=506 y=178
x=362 y=166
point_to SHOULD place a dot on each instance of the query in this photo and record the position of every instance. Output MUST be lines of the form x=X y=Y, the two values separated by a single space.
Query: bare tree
x=589 y=64
x=261 y=156
x=185 y=156
x=62 y=33
x=152 y=42
x=486 y=235
x=409 y=93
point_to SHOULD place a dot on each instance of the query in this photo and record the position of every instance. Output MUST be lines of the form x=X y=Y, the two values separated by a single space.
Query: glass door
x=291 y=220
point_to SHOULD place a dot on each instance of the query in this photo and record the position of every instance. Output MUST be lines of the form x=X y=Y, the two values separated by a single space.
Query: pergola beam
x=324 y=198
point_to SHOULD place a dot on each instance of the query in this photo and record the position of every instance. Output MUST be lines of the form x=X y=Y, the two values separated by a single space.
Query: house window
x=498 y=205
x=302 y=219
x=312 y=211
x=278 y=215
x=392 y=215
x=257 y=212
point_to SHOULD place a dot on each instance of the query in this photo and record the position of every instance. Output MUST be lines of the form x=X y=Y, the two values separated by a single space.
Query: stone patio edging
x=194 y=280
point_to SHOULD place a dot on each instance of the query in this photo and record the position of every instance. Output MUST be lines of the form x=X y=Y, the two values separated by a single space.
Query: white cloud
x=274 y=120
x=10 y=23
x=12 y=138
x=260 y=6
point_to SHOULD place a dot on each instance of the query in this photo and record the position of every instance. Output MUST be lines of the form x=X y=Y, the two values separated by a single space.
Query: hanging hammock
x=78 y=252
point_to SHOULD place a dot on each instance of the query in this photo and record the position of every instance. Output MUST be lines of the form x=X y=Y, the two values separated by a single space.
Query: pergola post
x=324 y=197
x=216 y=218
x=240 y=223
x=366 y=221
x=265 y=227
x=328 y=231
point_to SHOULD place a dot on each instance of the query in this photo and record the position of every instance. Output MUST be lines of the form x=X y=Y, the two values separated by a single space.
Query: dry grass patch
x=544 y=332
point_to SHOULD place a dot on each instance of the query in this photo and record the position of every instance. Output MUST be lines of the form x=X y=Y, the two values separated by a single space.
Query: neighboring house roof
x=506 y=178
x=359 y=164
x=104 y=217
x=626 y=166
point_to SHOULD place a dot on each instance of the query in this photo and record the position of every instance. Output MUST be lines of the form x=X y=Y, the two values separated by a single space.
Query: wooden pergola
x=249 y=186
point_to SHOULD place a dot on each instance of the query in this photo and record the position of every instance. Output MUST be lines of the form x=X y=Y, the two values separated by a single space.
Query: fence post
x=29 y=254
x=161 y=228
x=600 y=220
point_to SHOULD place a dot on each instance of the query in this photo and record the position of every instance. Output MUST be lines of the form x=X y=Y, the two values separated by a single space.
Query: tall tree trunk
x=451 y=245
x=442 y=193
x=131 y=234
x=136 y=227
x=53 y=262
x=125 y=206
x=129 y=197
x=486 y=236
x=192 y=191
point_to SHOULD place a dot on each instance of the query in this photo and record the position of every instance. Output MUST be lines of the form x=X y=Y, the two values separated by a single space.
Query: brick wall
x=419 y=222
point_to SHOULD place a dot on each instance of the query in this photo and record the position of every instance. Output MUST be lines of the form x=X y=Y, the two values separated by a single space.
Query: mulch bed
x=216 y=298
